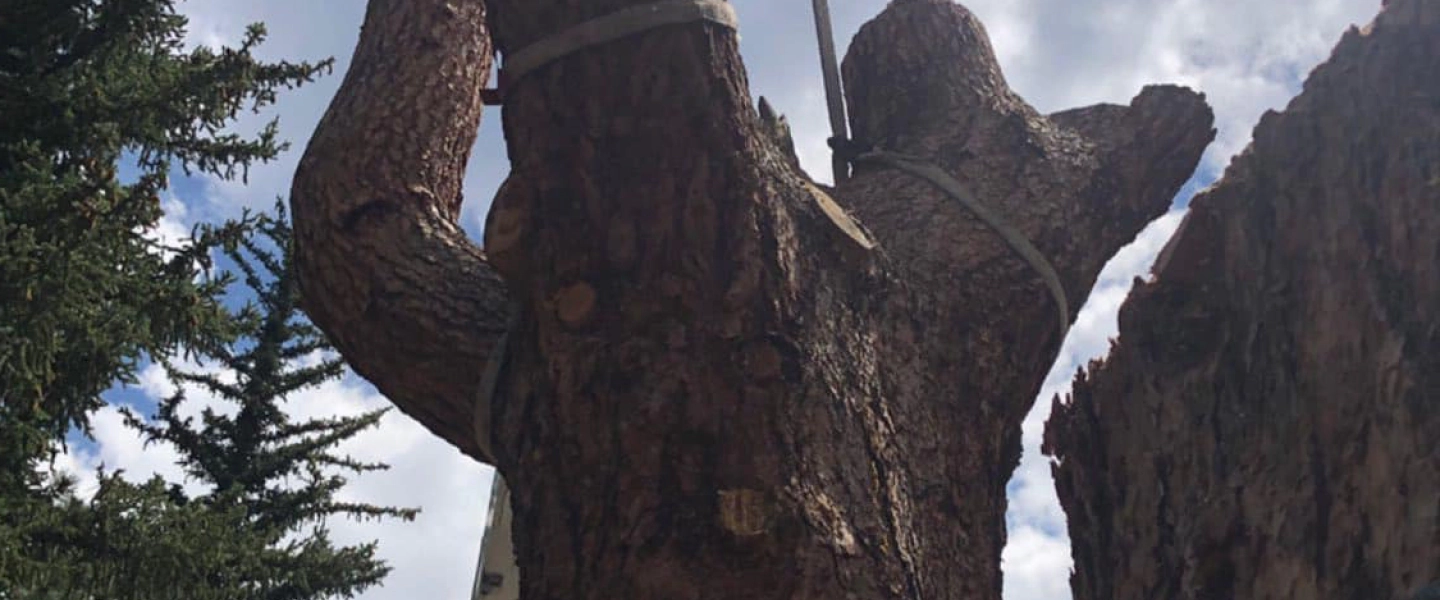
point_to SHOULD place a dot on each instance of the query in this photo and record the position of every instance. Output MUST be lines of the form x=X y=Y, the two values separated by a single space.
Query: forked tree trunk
x=1268 y=425
x=723 y=384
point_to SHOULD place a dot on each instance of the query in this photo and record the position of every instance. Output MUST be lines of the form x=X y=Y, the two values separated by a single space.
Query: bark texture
x=726 y=381
x=386 y=271
x=719 y=383
x=1265 y=427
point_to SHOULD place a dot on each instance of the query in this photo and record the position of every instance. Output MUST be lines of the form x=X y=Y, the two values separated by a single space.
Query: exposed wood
x=1266 y=425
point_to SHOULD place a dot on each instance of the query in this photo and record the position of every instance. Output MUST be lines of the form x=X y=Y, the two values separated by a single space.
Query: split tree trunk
x=726 y=381
x=1266 y=426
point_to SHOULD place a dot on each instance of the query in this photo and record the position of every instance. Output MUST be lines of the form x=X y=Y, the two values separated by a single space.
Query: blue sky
x=1247 y=57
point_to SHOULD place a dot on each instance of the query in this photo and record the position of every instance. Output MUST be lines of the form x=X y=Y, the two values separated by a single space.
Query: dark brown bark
x=386 y=271
x=722 y=385
x=1266 y=425
x=699 y=332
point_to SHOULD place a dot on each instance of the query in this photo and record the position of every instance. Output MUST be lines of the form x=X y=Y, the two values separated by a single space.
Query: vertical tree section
x=980 y=332
x=1266 y=425
x=722 y=385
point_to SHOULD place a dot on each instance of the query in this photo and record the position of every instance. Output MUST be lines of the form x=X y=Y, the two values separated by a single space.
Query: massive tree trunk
x=725 y=381
x=1266 y=426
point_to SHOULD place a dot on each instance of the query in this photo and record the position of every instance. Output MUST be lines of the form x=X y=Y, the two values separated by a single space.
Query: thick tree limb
x=387 y=273
x=1265 y=426
x=922 y=79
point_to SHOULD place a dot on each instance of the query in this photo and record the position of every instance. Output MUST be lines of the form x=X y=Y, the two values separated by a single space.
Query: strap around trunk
x=608 y=28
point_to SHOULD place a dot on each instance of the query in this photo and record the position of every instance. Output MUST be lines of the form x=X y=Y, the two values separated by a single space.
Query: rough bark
x=386 y=272
x=721 y=384
x=1265 y=426
x=700 y=335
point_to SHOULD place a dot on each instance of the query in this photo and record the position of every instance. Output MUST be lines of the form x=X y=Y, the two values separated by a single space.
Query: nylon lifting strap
x=847 y=151
x=1012 y=237
x=620 y=24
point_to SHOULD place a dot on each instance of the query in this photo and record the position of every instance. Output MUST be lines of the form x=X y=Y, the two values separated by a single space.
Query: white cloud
x=1037 y=565
x=117 y=446
x=1247 y=57
x=157 y=384
x=170 y=231
x=78 y=464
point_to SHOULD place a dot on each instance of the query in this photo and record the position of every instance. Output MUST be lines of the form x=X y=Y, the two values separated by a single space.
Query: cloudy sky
x=1246 y=56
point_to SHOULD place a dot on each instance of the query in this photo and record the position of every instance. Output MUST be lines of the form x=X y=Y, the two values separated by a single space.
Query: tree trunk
x=727 y=381
x=1266 y=425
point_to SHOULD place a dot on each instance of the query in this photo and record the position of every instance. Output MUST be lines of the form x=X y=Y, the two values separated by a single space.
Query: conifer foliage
x=102 y=103
x=84 y=294
x=276 y=475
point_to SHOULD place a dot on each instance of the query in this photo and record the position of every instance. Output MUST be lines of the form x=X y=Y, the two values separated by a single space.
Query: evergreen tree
x=84 y=294
x=134 y=542
x=258 y=531
x=254 y=459
x=102 y=103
